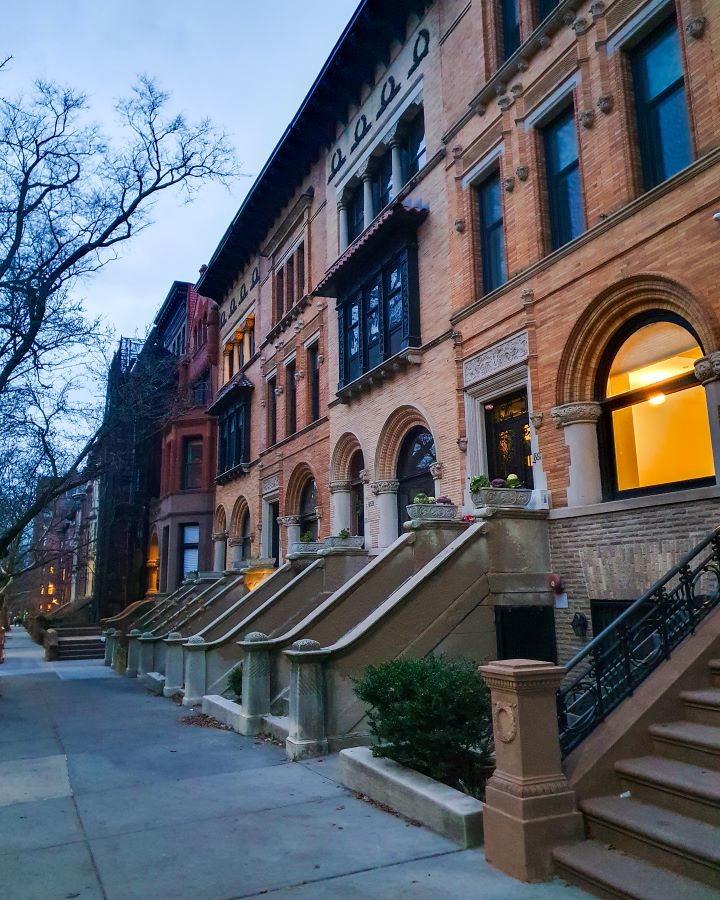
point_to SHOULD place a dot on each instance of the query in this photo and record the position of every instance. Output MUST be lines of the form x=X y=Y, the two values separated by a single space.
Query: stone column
x=146 y=658
x=368 y=204
x=386 y=492
x=529 y=805
x=341 y=499
x=109 y=644
x=133 y=653
x=237 y=562
x=255 y=683
x=292 y=526
x=344 y=228
x=306 y=735
x=194 y=671
x=707 y=372
x=397 y=168
x=580 y=423
x=174 y=664
x=219 y=551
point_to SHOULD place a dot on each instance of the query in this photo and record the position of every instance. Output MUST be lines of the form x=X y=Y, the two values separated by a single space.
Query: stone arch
x=616 y=305
x=297 y=481
x=240 y=510
x=346 y=447
x=391 y=437
x=220 y=521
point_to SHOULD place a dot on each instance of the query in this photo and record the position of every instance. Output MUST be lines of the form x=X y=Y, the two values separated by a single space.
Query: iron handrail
x=618 y=659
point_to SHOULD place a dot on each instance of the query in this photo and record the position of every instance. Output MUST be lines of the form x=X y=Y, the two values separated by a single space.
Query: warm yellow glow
x=657 y=399
x=51 y=589
x=255 y=577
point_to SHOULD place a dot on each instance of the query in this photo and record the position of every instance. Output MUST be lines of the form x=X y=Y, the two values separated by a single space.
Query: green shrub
x=430 y=714
x=235 y=681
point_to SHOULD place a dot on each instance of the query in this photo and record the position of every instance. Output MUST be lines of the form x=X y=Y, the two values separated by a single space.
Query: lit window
x=656 y=415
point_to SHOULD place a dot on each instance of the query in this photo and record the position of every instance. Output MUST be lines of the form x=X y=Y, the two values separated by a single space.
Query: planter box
x=509 y=498
x=432 y=511
x=351 y=543
x=311 y=547
x=441 y=808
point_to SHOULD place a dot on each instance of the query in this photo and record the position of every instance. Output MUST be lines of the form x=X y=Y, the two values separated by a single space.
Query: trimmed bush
x=235 y=682
x=432 y=715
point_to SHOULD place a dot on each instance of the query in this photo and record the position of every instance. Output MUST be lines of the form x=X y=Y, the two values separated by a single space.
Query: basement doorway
x=526 y=632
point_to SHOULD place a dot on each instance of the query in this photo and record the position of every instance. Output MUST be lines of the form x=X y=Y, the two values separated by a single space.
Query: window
x=544 y=8
x=234 y=437
x=290 y=282
x=245 y=549
x=272 y=411
x=250 y=332
x=231 y=361
x=416 y=148
x=192 y=451
x=189 y=549
x=491 y=235
x=300 y=266
x=654 y=408
x=380 y=318
x=355 y=213
x=200 y=391
x=308 y=510
x=509 y=30
x=290 y=399
x=279 y=295
x=562 y=165
x=313 y=368
x=660 y=105
x=382 y=182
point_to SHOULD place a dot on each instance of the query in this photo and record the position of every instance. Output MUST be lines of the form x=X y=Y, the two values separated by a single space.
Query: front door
x=526 y=632
x=507 y=427
x=275 y=532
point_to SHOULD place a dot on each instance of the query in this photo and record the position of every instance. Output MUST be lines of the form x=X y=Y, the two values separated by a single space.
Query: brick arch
x=391 y=437
x=346 y=447
x=240 y=510
x=609 y=311
x=220 y=520
x=297 y=481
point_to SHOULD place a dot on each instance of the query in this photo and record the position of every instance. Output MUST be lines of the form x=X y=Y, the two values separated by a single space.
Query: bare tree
x=68 y=200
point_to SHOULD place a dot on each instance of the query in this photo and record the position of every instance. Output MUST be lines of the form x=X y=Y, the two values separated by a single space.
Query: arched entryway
x=414 y=476
x=240 y=533
x=220 y=537
x=357 y=494
x=308 y=511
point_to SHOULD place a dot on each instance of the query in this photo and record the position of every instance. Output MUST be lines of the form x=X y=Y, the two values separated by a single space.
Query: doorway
x=417 y=454
x=526 y=632
x=274 y=510
x=507 y=428
x=357 y=495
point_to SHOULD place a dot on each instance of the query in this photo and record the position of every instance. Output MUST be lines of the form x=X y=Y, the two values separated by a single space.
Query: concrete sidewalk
x=104 y=792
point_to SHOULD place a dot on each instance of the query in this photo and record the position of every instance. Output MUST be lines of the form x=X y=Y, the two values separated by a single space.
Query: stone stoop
x=660 y=835
x=79 y=643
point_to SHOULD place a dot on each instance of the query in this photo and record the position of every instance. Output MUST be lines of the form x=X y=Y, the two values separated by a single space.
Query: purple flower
x=498 y=483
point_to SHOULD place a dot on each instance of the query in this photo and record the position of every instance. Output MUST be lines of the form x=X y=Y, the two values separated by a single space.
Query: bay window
x=233 y=436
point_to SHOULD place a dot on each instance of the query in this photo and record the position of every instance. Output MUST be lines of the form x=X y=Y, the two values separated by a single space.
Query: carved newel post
x=529 y=805
x=109 y=646
x=306 y=730
x=579 y=420
x=147 y=654
x=195 y=671
x=174 y=664
x=255 y=683
x=133 y=653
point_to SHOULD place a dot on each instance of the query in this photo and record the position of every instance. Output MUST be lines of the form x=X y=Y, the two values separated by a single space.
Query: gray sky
x=245 y=64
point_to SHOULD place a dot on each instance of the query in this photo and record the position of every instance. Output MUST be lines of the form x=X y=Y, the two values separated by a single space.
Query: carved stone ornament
x=505 y=102
x=270 y=484
x=517 y=90
x=521 y=65
x=365 y=476
x=420 y=50
x=459 y=225
x=605 y=104
x=597 y=9
x=288 y=521
x=695 y=28
x=479 y=109
x=707 y=369
x=527 y=295
x=522 y=173
x=544 y=41
x=340 y=487
x=536 y=419
x=279 y=391
x=580 y=26
x=587 y=118
x=505 y=721
x=305 y=645
x=436 y=470
x=576 y=413
x=462 y=443
x=501 y=356
x=220 y=536
x=509 y=184
x=255 y=637
x=385 y=487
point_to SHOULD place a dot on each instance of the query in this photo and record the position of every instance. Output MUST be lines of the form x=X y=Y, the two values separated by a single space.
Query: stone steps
x=681 y=787
x=702 y=706
x=688 y=742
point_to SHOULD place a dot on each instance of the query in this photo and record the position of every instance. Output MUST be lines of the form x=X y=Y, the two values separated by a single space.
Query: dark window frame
x=234 y=436
x=313 y=370
x=271 y=411
x=509 y=28
x=192 y=467
x=560 y=215
x=494 y=275
x=290 y=398
x=185 y=546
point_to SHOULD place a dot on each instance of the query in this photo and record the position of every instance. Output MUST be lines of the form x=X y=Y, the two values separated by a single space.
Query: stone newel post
x=174 y=664
x=306 y=735
x=147 y=654
x=529 y=805
x=195 y=672
x=133 y=653
x=255 y=683
x=109 y=646
x=580 y=423
x=386 y=492
x=341 y=499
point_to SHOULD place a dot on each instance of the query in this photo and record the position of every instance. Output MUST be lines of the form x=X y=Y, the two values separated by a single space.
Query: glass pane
x=672 y=134
x=395 y=311
x=191 y=534
x=651 y=438
x=510 y=13
x=190 y=560
x=564 y=143
x=658 y=61
x=490 y=201
x=417 y=453
x=652 y=354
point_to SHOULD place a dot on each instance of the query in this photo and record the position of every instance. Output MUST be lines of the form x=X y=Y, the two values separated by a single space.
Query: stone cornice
x=385 y=487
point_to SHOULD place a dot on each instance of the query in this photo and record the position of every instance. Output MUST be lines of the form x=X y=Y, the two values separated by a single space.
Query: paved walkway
x=105 y=793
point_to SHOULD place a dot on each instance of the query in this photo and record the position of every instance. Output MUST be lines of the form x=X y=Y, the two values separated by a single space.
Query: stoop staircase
x=79 y=643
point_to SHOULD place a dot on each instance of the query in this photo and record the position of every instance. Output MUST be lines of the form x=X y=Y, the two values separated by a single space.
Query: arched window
x=245 y=535
x=357 y=502
x=308 y=509
x=417 y=454
x=655 y=424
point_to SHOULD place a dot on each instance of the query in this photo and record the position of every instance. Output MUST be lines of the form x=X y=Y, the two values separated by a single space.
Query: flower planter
x=432 y=512
x=309 y=547
x=508 y=498
x=349 y=543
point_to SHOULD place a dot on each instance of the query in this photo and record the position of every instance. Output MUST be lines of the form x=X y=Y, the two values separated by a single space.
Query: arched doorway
x=417 y=454
x=308 y=510
x=357 y=494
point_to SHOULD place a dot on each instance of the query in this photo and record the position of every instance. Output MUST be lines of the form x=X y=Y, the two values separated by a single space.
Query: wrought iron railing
x=618 y=659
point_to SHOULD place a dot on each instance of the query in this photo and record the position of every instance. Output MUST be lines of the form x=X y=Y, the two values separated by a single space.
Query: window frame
x=313 y=370
x=507 y=49
x=234 y=437
x=484 y=231
x=290 y=398
x=188 y=442
x=271 y=423
x=565 y=110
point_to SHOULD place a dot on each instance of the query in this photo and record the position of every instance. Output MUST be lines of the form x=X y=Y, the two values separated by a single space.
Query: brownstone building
x=484 y=246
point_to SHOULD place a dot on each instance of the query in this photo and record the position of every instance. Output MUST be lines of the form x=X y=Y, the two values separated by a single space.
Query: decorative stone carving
x=597 y=9
x=707 y=368
x=517 y=90
x=460 y=225
x=509 y=184
x=340 y=487
x=196 y=639
x=544 y=41
x=255 y=637
x=220 y=536
x=605 y=104
x=521 y=65
x=580 y=26
x=505 y=721
x=695 y=28
x=479 y=109
x=522 y=173
x=269 y=484
x=385 y=487
x=365 y=476
x=574 y=413
x=457 y=152
x=527 y=295
x=505 y=102
x=174 y=636
x=436 y=470
x=503 y=355
x=420 y=50
x=288 y=521
x=462 y=443
x=306 y=645
x=587 y=118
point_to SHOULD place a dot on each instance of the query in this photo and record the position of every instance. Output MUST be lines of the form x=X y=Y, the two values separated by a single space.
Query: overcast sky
x=245 y=64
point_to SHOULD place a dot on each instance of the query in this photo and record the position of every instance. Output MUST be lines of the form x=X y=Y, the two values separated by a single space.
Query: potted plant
x=431 y=508
x=307 y=544
x=504 y=492
x=344 y=539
